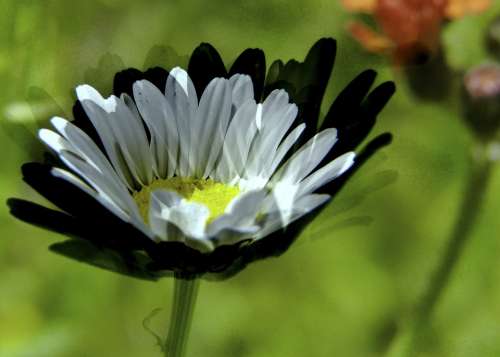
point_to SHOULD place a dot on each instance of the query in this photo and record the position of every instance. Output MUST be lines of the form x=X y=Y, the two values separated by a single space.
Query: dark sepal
x=204 y=65
x=133 y=264
x=355 y=126
x=103 y=225
x=61 y=193
x=50 y=158
x=349 y=99
x=124 y=80
x=252 y=61
x=184 y=260
x=317 y=69
x=273 y=76
x=46 y=218
x=158 y=76
x=121 y=260
x=176 y=257
x=368 y=151
x=308 y=79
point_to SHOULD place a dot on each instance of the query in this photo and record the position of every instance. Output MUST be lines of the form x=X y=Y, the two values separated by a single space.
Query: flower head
x=191 y=172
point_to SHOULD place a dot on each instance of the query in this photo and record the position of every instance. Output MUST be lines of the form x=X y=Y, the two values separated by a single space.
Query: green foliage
x=347 y=285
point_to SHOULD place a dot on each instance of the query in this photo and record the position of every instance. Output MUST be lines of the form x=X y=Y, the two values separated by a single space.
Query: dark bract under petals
x=100 y=238
x=204 y=65
x=252 y=61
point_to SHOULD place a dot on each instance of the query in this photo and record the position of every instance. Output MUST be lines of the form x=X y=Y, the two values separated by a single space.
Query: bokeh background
x=352 y=279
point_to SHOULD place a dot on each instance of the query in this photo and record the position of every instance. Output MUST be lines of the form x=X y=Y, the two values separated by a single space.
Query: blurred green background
x=348 y=284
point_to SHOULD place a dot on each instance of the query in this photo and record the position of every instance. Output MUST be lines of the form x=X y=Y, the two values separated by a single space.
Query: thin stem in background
x=185 y=293
x=407 y=344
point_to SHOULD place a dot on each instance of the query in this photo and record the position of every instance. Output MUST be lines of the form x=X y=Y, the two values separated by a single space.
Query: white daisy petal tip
x=85 y=92
x=141 y=85
x=44 y=134
x=181 y=76
x=331 y=132
x=59 y=123
x=350 y=159
x=51 y=139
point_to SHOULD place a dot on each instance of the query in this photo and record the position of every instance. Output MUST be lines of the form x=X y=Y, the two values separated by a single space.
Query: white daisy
x=208 y=171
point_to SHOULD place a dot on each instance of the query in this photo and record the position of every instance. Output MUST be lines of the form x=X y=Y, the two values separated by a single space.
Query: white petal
x=108 y=203
x=240 y=214
x=307 y=157
x=189 y=217
x=85 y=92
x=105 y=201
x=245 y=206
x=239 y=136
x=131 y=137
x=182 y=78
x=303 y=206
x=252 y=183
x=99 y=112
x=76 y=162
x=83 y=145
x=277 y=118
x=104 y=185
x=284 y=195
x=282 y=150
x=209 y=127
x=165 y=199
x=242 y=89
x=53 y=140
x=258 y=117
x=174 y=219
x=160 y=226
x=276 y=100
x=181 y=95
x=307 y=203
x=327 y=173
x=159 y=118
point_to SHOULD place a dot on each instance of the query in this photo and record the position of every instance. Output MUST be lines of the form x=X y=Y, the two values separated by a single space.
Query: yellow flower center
x=214 y=195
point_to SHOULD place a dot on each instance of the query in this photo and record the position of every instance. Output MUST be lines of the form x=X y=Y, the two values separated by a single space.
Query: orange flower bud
x=413 y=26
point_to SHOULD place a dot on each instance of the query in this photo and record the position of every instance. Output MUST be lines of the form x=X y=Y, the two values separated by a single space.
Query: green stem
x=472 y=200
x=185 y=293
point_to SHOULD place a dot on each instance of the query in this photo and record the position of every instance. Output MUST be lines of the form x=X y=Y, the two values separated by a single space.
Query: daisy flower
x=200 y=171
